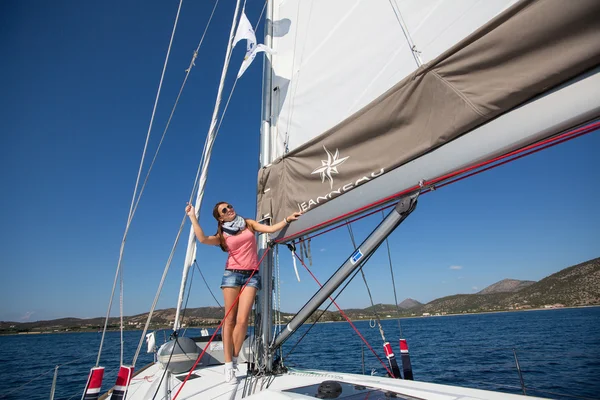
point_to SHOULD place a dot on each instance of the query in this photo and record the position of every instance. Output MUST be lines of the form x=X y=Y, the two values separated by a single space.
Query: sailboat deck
x=208 y=383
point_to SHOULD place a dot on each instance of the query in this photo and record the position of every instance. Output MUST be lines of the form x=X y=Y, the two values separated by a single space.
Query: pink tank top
x=243 y=253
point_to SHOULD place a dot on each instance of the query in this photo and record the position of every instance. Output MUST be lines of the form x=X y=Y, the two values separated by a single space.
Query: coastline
x=35 y=333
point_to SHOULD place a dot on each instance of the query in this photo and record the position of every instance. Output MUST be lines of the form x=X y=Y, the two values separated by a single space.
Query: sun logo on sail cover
x=329 y=166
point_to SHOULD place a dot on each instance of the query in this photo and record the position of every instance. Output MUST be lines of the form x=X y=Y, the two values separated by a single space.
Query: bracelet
x=286 y=221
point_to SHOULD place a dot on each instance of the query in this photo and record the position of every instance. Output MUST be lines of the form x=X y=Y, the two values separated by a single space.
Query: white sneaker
x=230 y=376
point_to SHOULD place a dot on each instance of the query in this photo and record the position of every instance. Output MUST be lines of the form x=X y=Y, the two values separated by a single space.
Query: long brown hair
x=219 y=234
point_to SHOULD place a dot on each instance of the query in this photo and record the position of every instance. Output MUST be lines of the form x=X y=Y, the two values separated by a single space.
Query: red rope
x=345 y=316
x=570 y=134
x=505 y=162
x=219 y=327
x=347 y=222
x=505 y=158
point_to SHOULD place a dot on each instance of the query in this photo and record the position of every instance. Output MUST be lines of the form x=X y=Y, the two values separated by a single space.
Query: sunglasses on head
x=226 y=208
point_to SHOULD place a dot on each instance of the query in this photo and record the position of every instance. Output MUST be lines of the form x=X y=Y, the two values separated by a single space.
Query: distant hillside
x=381 y=310
x=407 y=304
x=578 y=285
x=506 y=286
x=167 y=316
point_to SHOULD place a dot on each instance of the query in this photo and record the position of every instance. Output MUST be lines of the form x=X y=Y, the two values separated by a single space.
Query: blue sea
x=558 y=352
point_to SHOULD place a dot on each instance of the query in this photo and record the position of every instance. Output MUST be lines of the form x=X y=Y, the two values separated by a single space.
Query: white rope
x=131 y=208
x=188 y=70
x=121 y=315
x=158 y=292
x=295 y=267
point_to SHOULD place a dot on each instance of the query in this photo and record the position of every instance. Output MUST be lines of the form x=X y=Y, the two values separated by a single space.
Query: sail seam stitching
x=459 y=93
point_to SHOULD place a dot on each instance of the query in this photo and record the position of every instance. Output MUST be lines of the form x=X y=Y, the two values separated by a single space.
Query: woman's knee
x=241 y=320
x=230 y=321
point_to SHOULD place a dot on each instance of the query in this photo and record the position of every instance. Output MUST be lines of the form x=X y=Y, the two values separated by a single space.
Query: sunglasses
x=226 y=208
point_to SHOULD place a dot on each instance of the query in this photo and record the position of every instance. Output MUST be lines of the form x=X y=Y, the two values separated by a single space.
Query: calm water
x=558 y=350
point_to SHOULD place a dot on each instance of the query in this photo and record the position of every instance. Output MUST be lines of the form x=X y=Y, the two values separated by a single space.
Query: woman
x=235 y=235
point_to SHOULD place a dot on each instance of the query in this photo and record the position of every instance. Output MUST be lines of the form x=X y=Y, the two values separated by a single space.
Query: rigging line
x=206 y=141
x=285 y=145
x=297 y=79
x=276 y=327
x=158 y=291
x=236 y=79
x=326 y=308
x=166 y=369
x=137 y=183
x=346 y=317
x=121 y=314
x=367 y=286
x=222 y=321
x=556 y=139
x=411 y=44
x=187 y=299
x=387 y=244
x=201 y=173
x=348 y=222
x=203 y=167
x=207 y=151
x=192 y=64
x=206 y=283
x=22 y=386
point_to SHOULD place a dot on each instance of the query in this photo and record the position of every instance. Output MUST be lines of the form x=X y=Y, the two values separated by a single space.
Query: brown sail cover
x=525 y=51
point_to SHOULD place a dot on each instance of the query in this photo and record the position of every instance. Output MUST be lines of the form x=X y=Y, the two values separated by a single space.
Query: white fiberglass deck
x=208 y=383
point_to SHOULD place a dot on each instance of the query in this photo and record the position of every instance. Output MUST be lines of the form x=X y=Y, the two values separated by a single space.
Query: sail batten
x=504 y=64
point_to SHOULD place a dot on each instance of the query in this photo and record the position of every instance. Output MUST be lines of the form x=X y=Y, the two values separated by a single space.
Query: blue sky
x=78 y=83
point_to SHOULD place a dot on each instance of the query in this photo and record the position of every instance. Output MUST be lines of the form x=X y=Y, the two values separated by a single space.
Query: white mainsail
x=335 y=57
x=352 y=104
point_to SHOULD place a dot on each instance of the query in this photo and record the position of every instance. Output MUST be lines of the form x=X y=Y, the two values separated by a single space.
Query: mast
x=265 y=301
x=190 y=254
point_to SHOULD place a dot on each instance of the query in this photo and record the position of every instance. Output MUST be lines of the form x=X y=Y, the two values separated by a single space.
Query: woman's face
x=226 y=212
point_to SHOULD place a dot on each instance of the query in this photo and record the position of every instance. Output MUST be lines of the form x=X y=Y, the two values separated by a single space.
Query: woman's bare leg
x=243 y=314
x=229 y=294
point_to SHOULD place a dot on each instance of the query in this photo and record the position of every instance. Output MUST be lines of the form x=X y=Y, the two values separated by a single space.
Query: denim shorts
x=237 y=279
